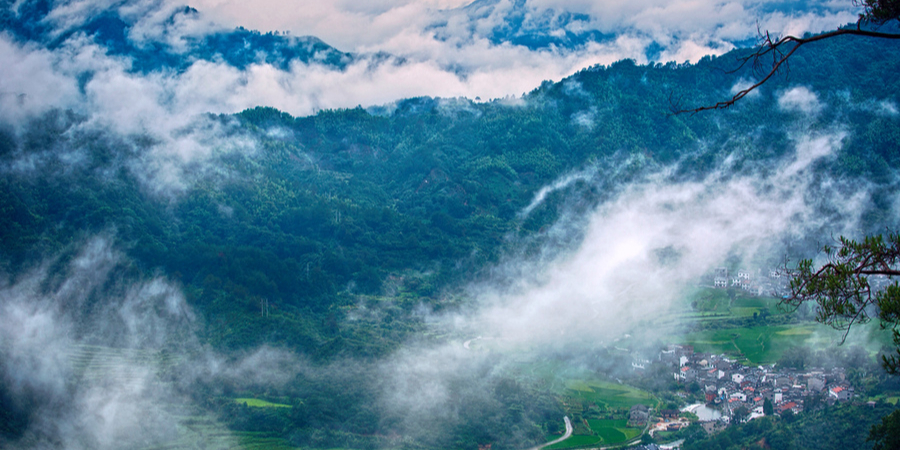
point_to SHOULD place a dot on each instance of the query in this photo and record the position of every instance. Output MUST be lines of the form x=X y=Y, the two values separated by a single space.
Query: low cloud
x=603 y=288
x=800 y=99
x=458 y=39
x=44 y=330
x=402 y=49
x=34 y=86
x=615 y=278
x=163 y=117
x=743 y=84
x=83 y=351
x=636 y=254
x=885 y=108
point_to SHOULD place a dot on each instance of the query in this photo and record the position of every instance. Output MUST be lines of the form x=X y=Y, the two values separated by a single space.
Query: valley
x=473 y=226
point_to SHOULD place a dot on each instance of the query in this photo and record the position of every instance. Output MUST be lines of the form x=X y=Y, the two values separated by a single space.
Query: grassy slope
x=713 y=322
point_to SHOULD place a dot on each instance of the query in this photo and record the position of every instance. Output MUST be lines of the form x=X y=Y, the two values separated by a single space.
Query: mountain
x=115 y=31
x=521 y=25
x=427 y=190
x=333 y=263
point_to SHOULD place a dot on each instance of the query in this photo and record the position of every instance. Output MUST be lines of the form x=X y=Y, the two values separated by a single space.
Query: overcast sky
x=682 y=30
x=441 y=48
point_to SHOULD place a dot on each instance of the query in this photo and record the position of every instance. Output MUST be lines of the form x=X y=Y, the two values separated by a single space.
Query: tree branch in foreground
x=842 y=291
x=780 y=50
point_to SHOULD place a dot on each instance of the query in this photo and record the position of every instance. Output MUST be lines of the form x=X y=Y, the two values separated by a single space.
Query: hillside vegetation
x=291 y=225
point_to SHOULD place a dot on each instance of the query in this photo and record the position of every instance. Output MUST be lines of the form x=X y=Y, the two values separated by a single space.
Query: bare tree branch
x=780 y=50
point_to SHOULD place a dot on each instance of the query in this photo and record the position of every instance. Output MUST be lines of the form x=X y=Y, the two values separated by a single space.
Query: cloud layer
x=486 y=41
x=92 y=358
x=617 y=278
x=446 y=48
x=488 y=49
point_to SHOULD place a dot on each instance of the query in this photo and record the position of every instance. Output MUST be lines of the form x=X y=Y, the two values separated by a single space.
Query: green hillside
x=292 y=241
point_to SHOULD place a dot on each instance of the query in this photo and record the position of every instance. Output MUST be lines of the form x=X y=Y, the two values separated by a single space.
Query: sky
x=440 y=34
x=401 y=49
x=445 y=48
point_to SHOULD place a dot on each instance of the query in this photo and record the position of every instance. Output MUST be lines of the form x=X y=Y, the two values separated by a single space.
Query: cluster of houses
x=729 y=385
x=639 y=415
x=774 y=282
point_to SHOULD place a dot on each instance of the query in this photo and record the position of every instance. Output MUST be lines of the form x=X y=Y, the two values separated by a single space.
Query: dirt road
x=556 y=441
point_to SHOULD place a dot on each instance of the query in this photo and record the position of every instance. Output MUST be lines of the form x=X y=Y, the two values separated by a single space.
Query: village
x=773 y=281
x=734 y=392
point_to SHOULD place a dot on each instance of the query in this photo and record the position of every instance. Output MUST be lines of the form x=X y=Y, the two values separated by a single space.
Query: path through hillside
x=556 y=441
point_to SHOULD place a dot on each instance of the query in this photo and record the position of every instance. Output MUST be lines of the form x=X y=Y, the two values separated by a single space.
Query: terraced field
x=201 y=431
x=139 y=370
x=91 y=363
x=576 y=441
x=766 y=343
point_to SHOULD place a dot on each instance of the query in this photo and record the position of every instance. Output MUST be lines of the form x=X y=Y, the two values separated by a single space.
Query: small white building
x=840 y=393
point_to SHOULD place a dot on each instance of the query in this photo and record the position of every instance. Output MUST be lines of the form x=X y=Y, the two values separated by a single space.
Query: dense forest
x=289 y=224
x=412 y=197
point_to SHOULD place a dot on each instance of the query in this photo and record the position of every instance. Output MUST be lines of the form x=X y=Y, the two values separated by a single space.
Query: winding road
x=556 y=441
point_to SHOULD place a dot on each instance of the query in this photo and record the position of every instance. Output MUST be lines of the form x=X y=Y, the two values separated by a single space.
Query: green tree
x=740 y=413
x=886 y=435
x=842 y=289
x=768 y=408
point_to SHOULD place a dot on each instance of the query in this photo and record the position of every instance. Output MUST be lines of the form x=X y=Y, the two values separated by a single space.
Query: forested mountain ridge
x=348 y=202
x=114 y=30
x=340 y=236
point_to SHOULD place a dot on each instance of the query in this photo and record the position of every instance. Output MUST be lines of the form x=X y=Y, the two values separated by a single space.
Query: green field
x=723 y=303
x=193 y=428
x=606 y=394
x=574 y=442
x=613 y=431
x=257 y=403
x=704 y=305
x=759 y=345
x=603 y=396
x=605 y=432
x=203 y=431
x=765 y=344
